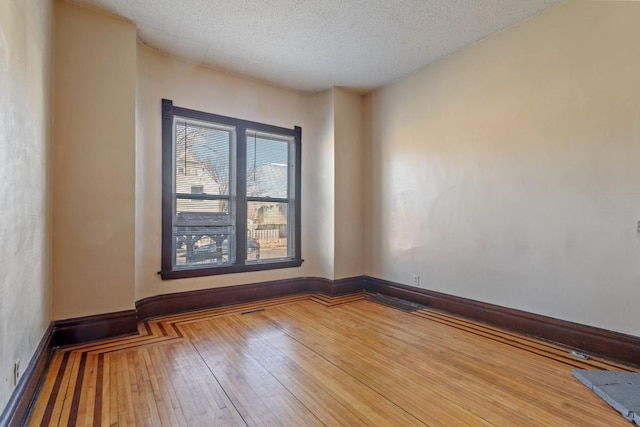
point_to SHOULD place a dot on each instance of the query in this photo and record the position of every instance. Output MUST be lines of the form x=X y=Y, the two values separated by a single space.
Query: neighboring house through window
x=230 y=194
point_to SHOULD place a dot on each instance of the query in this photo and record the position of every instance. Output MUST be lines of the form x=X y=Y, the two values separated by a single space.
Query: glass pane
x=202 y=157
x=203 y=232
x=267 y=165
x=267 y=230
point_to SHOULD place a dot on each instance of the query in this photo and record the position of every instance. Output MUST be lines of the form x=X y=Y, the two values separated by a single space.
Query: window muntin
x=231 y=194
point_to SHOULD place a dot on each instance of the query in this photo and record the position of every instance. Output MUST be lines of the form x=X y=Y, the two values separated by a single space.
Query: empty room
x=287 y=212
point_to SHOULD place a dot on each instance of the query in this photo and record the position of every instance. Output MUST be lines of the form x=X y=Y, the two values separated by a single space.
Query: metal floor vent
x=396 y=303
x=259 y=310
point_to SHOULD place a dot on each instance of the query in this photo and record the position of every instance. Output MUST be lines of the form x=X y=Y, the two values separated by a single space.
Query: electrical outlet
x=16 y=373
x=416 y=280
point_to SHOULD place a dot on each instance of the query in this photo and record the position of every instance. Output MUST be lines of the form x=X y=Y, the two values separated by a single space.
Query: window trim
x=168 y=271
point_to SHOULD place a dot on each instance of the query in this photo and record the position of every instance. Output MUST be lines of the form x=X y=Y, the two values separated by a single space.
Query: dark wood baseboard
x=596 y=341
x=587 y=339
x=161 y=305
x=22 y=400
x=91 y=328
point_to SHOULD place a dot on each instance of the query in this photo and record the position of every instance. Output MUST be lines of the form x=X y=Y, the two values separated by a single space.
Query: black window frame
x=168 y=270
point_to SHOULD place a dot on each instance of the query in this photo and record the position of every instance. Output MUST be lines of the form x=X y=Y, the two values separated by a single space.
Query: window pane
x=267 y=165
x=267 y=230
x=202 y=158
x=203 y=232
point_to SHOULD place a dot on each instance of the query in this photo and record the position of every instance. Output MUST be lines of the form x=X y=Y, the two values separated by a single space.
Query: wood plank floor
x=310 y=360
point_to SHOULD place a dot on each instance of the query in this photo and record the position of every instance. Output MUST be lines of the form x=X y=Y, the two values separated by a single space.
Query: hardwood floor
x=311 y=360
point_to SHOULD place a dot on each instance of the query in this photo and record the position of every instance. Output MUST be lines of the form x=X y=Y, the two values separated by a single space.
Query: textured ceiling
x=312 y=45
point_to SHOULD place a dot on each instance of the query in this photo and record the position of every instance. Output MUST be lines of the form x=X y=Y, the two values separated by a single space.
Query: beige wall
x=192 y=86
x=318 y=168
x=97 y=78
x=348 y=176
x=508 y=172
x=93 y=163
x=24 y=126
x=503 y=173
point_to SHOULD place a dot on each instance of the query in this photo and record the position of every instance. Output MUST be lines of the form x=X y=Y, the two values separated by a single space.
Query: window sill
x=213 y=271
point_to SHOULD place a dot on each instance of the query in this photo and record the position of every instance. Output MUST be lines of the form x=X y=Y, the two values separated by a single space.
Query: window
x=230 y=194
